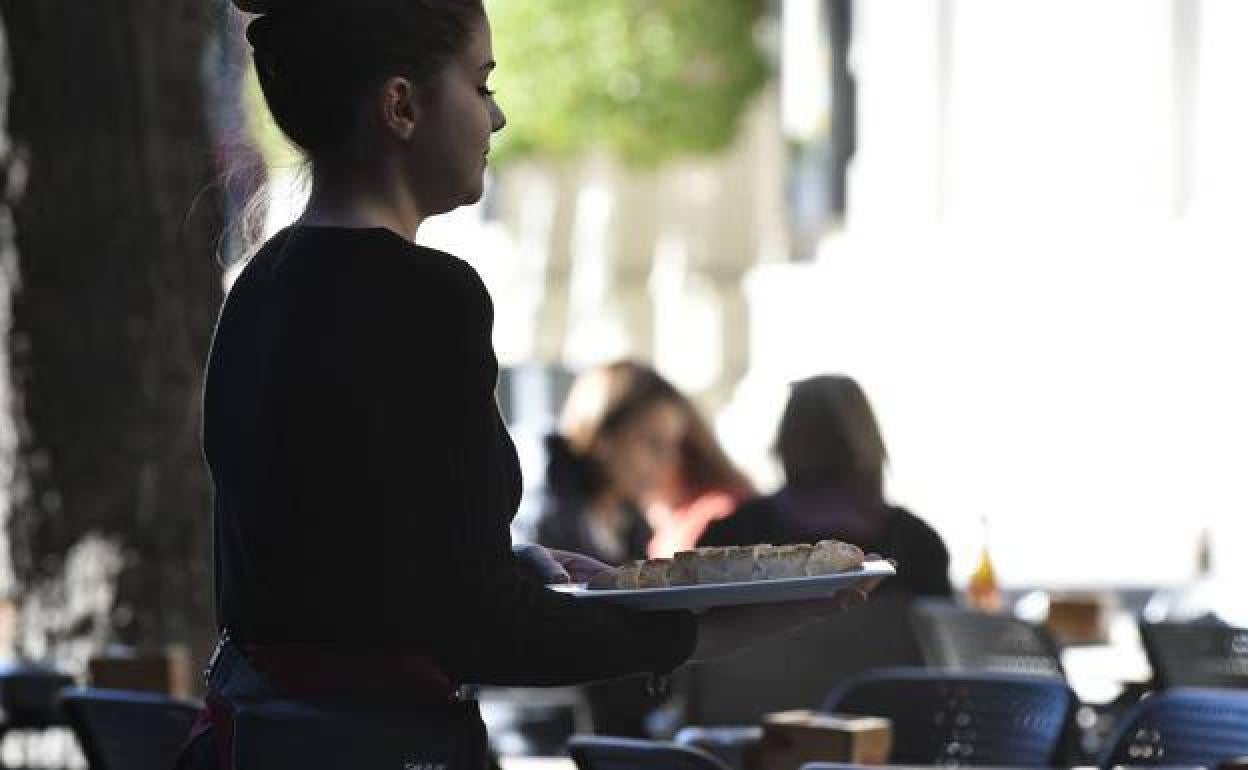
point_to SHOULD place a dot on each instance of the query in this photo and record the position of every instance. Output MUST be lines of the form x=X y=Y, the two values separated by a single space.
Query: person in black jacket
x=364 y=481
x=833 y=457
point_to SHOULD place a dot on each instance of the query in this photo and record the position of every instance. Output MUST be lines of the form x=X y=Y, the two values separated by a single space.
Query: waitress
x=364 y=481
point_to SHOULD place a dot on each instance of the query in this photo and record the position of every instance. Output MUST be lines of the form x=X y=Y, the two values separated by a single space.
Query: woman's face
x=458 y=116
x=639 y=453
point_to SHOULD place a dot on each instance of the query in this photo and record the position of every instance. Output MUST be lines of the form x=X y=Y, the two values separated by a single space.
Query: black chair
x=1182 y=727
x=735 y=746
x=123 y=730
x=941 y=718
x=604 y=753
x=1196 y=654
x=30 y=696
x=954 y=638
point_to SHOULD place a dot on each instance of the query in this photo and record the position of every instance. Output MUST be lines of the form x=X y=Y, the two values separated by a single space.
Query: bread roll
x=712 y=565
x=766 y=561
x=832 y=556
x=628 y=576
x=603 y=581
x=654 y=573
x=785 y=561
x=621 y=578
x=684 y=570
x=741 y=564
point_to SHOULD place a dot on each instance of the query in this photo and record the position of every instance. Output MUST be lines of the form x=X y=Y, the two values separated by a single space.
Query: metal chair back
x=1182 y=727
x=1196 y=654
x=592 y=752
x=954 y=638
x=942 y=718
x=124 y=730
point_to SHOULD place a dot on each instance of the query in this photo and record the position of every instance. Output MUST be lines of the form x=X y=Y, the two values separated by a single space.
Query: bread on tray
x=733 y=564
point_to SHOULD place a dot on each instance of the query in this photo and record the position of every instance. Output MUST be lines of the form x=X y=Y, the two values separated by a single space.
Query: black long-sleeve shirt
x=365 y=482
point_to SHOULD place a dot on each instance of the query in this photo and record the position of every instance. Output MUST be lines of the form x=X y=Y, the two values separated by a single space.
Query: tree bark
x=116 y=293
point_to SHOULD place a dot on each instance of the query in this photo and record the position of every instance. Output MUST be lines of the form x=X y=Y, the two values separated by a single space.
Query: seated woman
x=620 y=431
x=701 y=487
x=833 y=457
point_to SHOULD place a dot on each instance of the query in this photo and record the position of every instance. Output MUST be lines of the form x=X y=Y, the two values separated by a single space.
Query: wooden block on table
x=793 y=738
x=165 y=671
x=1080 y=618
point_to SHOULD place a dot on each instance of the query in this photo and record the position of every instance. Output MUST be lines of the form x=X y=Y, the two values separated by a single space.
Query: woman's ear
x=400 y=107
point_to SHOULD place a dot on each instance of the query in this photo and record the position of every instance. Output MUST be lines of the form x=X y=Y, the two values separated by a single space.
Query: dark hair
x=317 y=60
x=829 y=434
x=704 y=465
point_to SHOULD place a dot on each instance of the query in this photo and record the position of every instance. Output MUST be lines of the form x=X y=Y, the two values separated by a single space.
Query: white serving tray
x=703 y=597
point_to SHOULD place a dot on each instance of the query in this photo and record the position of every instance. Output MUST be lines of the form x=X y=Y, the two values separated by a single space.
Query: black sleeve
x=425 y=404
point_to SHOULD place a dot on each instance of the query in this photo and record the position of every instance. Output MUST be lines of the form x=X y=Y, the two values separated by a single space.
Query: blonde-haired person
x=833 y=456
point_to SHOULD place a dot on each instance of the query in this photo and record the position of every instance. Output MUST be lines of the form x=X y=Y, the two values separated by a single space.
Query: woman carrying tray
x=364 y=481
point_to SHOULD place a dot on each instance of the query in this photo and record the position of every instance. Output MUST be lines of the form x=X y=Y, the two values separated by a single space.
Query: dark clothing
x=791 y=516
x=365 y=481
x=564 y=522
x=289 y=708
x=571 y=533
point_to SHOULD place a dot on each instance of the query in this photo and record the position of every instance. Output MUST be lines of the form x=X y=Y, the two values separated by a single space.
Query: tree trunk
x=116 y=293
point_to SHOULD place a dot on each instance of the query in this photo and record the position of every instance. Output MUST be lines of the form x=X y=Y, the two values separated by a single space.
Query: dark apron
x=277 y=710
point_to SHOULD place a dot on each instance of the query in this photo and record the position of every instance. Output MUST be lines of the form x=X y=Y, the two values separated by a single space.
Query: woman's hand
x=726 y=631
x=580 y=568
x=540 y=561
x=555 y=566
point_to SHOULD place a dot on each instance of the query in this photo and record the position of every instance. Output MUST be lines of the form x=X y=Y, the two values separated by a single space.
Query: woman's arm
x=429 y=429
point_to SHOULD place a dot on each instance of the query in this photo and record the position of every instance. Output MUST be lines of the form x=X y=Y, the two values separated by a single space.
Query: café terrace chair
x=954 y=638
x=798 y=669
x=723 y=702
x=124 y=730
x=29 y=696
x=593 y=752
x=1196 y=654
x=965 y=718
x=1182 y=727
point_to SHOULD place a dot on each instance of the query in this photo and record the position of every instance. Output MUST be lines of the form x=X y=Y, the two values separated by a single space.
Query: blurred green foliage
x=646 y=80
